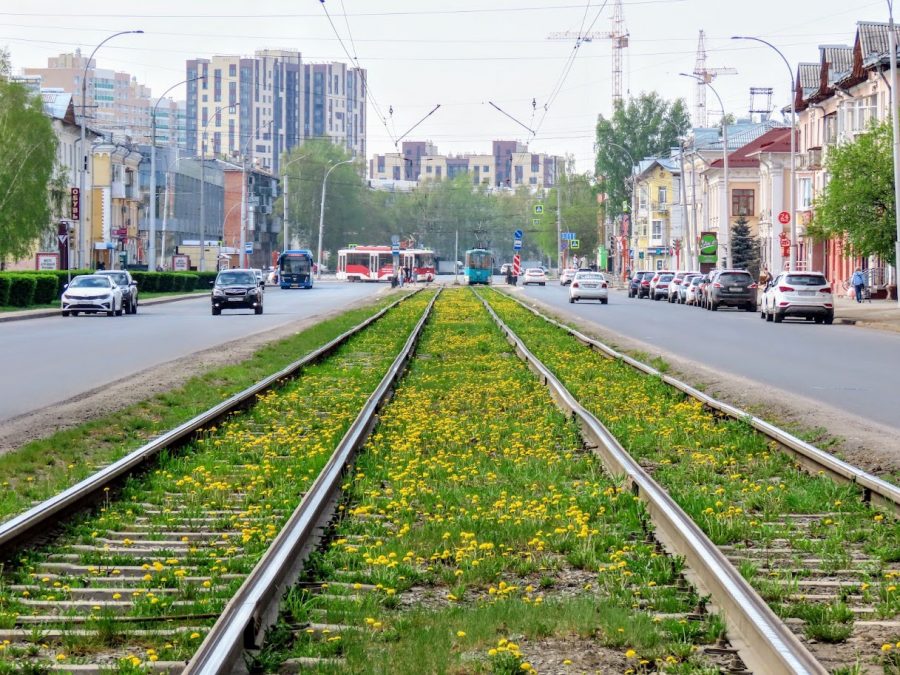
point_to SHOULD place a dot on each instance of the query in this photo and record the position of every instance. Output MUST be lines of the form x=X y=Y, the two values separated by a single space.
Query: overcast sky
x=457 y=53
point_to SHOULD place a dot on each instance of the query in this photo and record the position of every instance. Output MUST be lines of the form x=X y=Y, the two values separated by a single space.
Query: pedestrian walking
x=858 y=281
x=765 y=276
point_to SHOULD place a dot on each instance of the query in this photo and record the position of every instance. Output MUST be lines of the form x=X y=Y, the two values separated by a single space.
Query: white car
x=589 y=286
x=802 y=294
x=692 y=292
x=534 y=275
x=566 y=277
x=92 y=293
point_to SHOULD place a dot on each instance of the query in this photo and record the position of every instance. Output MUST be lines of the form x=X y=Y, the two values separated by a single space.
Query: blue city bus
x=479 y=266
x=295 y=269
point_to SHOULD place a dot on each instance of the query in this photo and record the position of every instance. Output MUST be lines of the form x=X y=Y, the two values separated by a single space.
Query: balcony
x=661 y=207
x=814 y=158
x=117 y=189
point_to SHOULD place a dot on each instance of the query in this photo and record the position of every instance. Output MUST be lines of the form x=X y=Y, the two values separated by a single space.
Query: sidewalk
x=42 y=313
x=883 y=314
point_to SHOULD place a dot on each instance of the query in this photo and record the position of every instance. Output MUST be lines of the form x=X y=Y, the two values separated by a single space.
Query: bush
x=205 y=279
x=146 y=281
x=4 y=289
x=21 y=289
x=45 y=288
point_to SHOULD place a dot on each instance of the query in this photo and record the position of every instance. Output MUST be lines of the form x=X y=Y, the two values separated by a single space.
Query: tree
x=646 y=126
x=858 y=202
x=744 y=247
x=27 y=156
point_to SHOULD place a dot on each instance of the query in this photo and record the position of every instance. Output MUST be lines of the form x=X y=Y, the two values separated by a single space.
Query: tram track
x=423 y=571
x=816 y=537
x=137 y=586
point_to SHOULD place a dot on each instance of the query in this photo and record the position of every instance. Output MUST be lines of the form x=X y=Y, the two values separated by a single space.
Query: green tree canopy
x=644 y=126
x=858 y=202
x=27 y=156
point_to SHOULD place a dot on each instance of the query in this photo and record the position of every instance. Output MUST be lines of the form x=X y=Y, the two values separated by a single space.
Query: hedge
x=21 y=289
x=45 y=288
x=4 y=289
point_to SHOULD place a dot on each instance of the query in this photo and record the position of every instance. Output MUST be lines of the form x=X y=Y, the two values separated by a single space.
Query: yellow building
x=114 y=204
x=657 y=233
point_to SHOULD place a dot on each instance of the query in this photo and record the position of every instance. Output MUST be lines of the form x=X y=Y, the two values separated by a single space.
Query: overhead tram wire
x=370 y=96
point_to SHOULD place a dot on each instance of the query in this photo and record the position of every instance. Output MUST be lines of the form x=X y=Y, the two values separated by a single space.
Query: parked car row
x=110 y=292
x=805 y=295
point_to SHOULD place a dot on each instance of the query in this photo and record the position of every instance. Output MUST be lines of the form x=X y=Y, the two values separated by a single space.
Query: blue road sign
x=517 y=244
x=248 y=247
x=395 y=248
x=517 y=234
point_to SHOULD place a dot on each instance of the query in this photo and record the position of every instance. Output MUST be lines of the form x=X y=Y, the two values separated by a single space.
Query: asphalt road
x=852 y=368
x=54 y=359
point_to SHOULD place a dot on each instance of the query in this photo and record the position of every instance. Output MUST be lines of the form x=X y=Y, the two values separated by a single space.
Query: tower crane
x=705 y=75
x=619 y=37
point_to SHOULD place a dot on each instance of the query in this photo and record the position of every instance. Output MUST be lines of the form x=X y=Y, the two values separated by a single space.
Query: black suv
x=124 y=280
x=731 y=288
x=237 y=289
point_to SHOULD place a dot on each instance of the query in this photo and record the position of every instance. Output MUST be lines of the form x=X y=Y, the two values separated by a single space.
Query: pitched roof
x=666 y=163
x=810 y=77
x=838 y=59
x=773 y=140
x=874 y=40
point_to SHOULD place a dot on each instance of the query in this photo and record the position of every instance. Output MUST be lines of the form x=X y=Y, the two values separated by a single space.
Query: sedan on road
x=92 y=294
x=534 y=275
x=589 y=286
x=237 y=289
x=567 y=275
x=806 y=295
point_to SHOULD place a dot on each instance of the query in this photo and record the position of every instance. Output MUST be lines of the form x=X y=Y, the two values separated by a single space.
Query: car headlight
x=218 y=292
x=253 y=291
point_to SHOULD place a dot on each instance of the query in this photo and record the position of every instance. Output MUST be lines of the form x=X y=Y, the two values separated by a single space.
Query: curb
x=44 y=313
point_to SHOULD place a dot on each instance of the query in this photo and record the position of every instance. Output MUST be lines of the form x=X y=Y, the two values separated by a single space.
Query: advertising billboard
x=709 y=248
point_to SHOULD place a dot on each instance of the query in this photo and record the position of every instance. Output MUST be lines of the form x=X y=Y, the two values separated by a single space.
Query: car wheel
x=216 y=311
x=111 y=312
x=121 y=310
x=134 y=306
x=770 y=316
x=258 y=309
x=65 y=313
x=762 y=314
x=750 y=308
x=778 y=317
x=571 y=300
x=604 y=301
x=713 y=306
x=74 y=313
x=818 y=319
x=543 y=284
x=829 y=319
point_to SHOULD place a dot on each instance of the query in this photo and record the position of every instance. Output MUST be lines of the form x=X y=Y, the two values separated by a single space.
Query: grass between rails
x=44 y=467
x=251 y=472
x=494 y=542
x=733 y=482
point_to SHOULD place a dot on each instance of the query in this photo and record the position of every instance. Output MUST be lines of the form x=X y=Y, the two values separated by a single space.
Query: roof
x=57 y=104
x=810 y=76
x=874 y=40
x=838 y=59
x=773 y=140
x=666 y=163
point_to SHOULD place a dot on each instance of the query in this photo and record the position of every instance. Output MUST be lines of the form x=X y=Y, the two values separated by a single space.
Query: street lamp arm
x=177 y=84
x=322 y=216
x=768 y=44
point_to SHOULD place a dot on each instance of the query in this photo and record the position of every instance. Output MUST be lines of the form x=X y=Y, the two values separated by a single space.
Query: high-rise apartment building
x=265 y=105
x=115 y=102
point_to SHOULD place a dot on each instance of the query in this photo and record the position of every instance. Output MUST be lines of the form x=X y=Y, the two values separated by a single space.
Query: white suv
x=801 y=294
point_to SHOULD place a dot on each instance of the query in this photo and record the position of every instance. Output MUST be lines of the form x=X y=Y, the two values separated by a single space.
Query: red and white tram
x=376 y=263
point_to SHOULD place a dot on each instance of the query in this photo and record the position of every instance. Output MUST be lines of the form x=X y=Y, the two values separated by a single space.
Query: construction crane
x=619 y=37
x=705 y=75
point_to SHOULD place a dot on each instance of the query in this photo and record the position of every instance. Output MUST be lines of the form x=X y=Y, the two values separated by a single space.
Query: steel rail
x=765 y=643
x=255 y=604
x=875 y=489
x=38 y=519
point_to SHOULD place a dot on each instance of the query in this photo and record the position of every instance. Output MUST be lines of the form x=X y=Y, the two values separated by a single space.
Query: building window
x=806 y=195
x=742 y=202
x=486 y=168
x=232 y=70
x=428 y=168
x=642 y=197
x=657 y=229
x=396 y=173
x=662 y=195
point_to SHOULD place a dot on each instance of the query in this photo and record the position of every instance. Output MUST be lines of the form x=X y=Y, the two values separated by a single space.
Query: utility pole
x=895 y=125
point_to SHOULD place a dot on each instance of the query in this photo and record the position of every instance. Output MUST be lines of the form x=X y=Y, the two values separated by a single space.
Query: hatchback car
x=128 y=285
x=589 y=286
x=639 y=287
x=659 y=285
x=92 y=294
x=534 y=275
x=692 y=290
x=237 y=289
x=805 y=295
x=681 y=288
x=566 y=277
x=732 y=288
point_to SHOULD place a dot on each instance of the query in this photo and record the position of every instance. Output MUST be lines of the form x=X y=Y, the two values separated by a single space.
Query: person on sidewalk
x=765 y=276
x=858 y=281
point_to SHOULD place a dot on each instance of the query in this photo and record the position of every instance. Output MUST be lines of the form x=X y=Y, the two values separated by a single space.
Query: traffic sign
x=395 y=248
x=517 y=244
x=574 y=244
x=784 y=217
x=569 y=236
x=517 y=234
x=535 y=221
x=395 y=240
x=62 y=238
x=538 y=209
x=248 y=247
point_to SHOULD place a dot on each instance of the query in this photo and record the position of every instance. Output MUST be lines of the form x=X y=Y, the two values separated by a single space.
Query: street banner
x=709 y=248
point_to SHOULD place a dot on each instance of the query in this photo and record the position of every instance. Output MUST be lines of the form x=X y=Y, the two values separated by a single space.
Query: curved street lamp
x=725 y=221
x=284 y=194
x=242 y=254
x=82 y=235
x=151 y=252
x=793 y=197
x=201 y=263
x=322 y=216
x=633 y=185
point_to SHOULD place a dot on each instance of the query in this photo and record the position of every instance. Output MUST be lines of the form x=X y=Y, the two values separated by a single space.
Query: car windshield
x=90 y=282
x=806 y=280
x=120 y=278
x=666 y=277
x=734 y=278
x=589 y=276
x=696 y=281
x=229 y=278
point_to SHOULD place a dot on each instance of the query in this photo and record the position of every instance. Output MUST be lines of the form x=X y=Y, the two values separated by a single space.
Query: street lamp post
x=895 y=125
x=633 y=188
x=82 y=235
x=201 y=264
x=725 y=221
x=244 y=206
x=322 y=216
x=151 y=254
x=793 y=204
x=285 y=199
